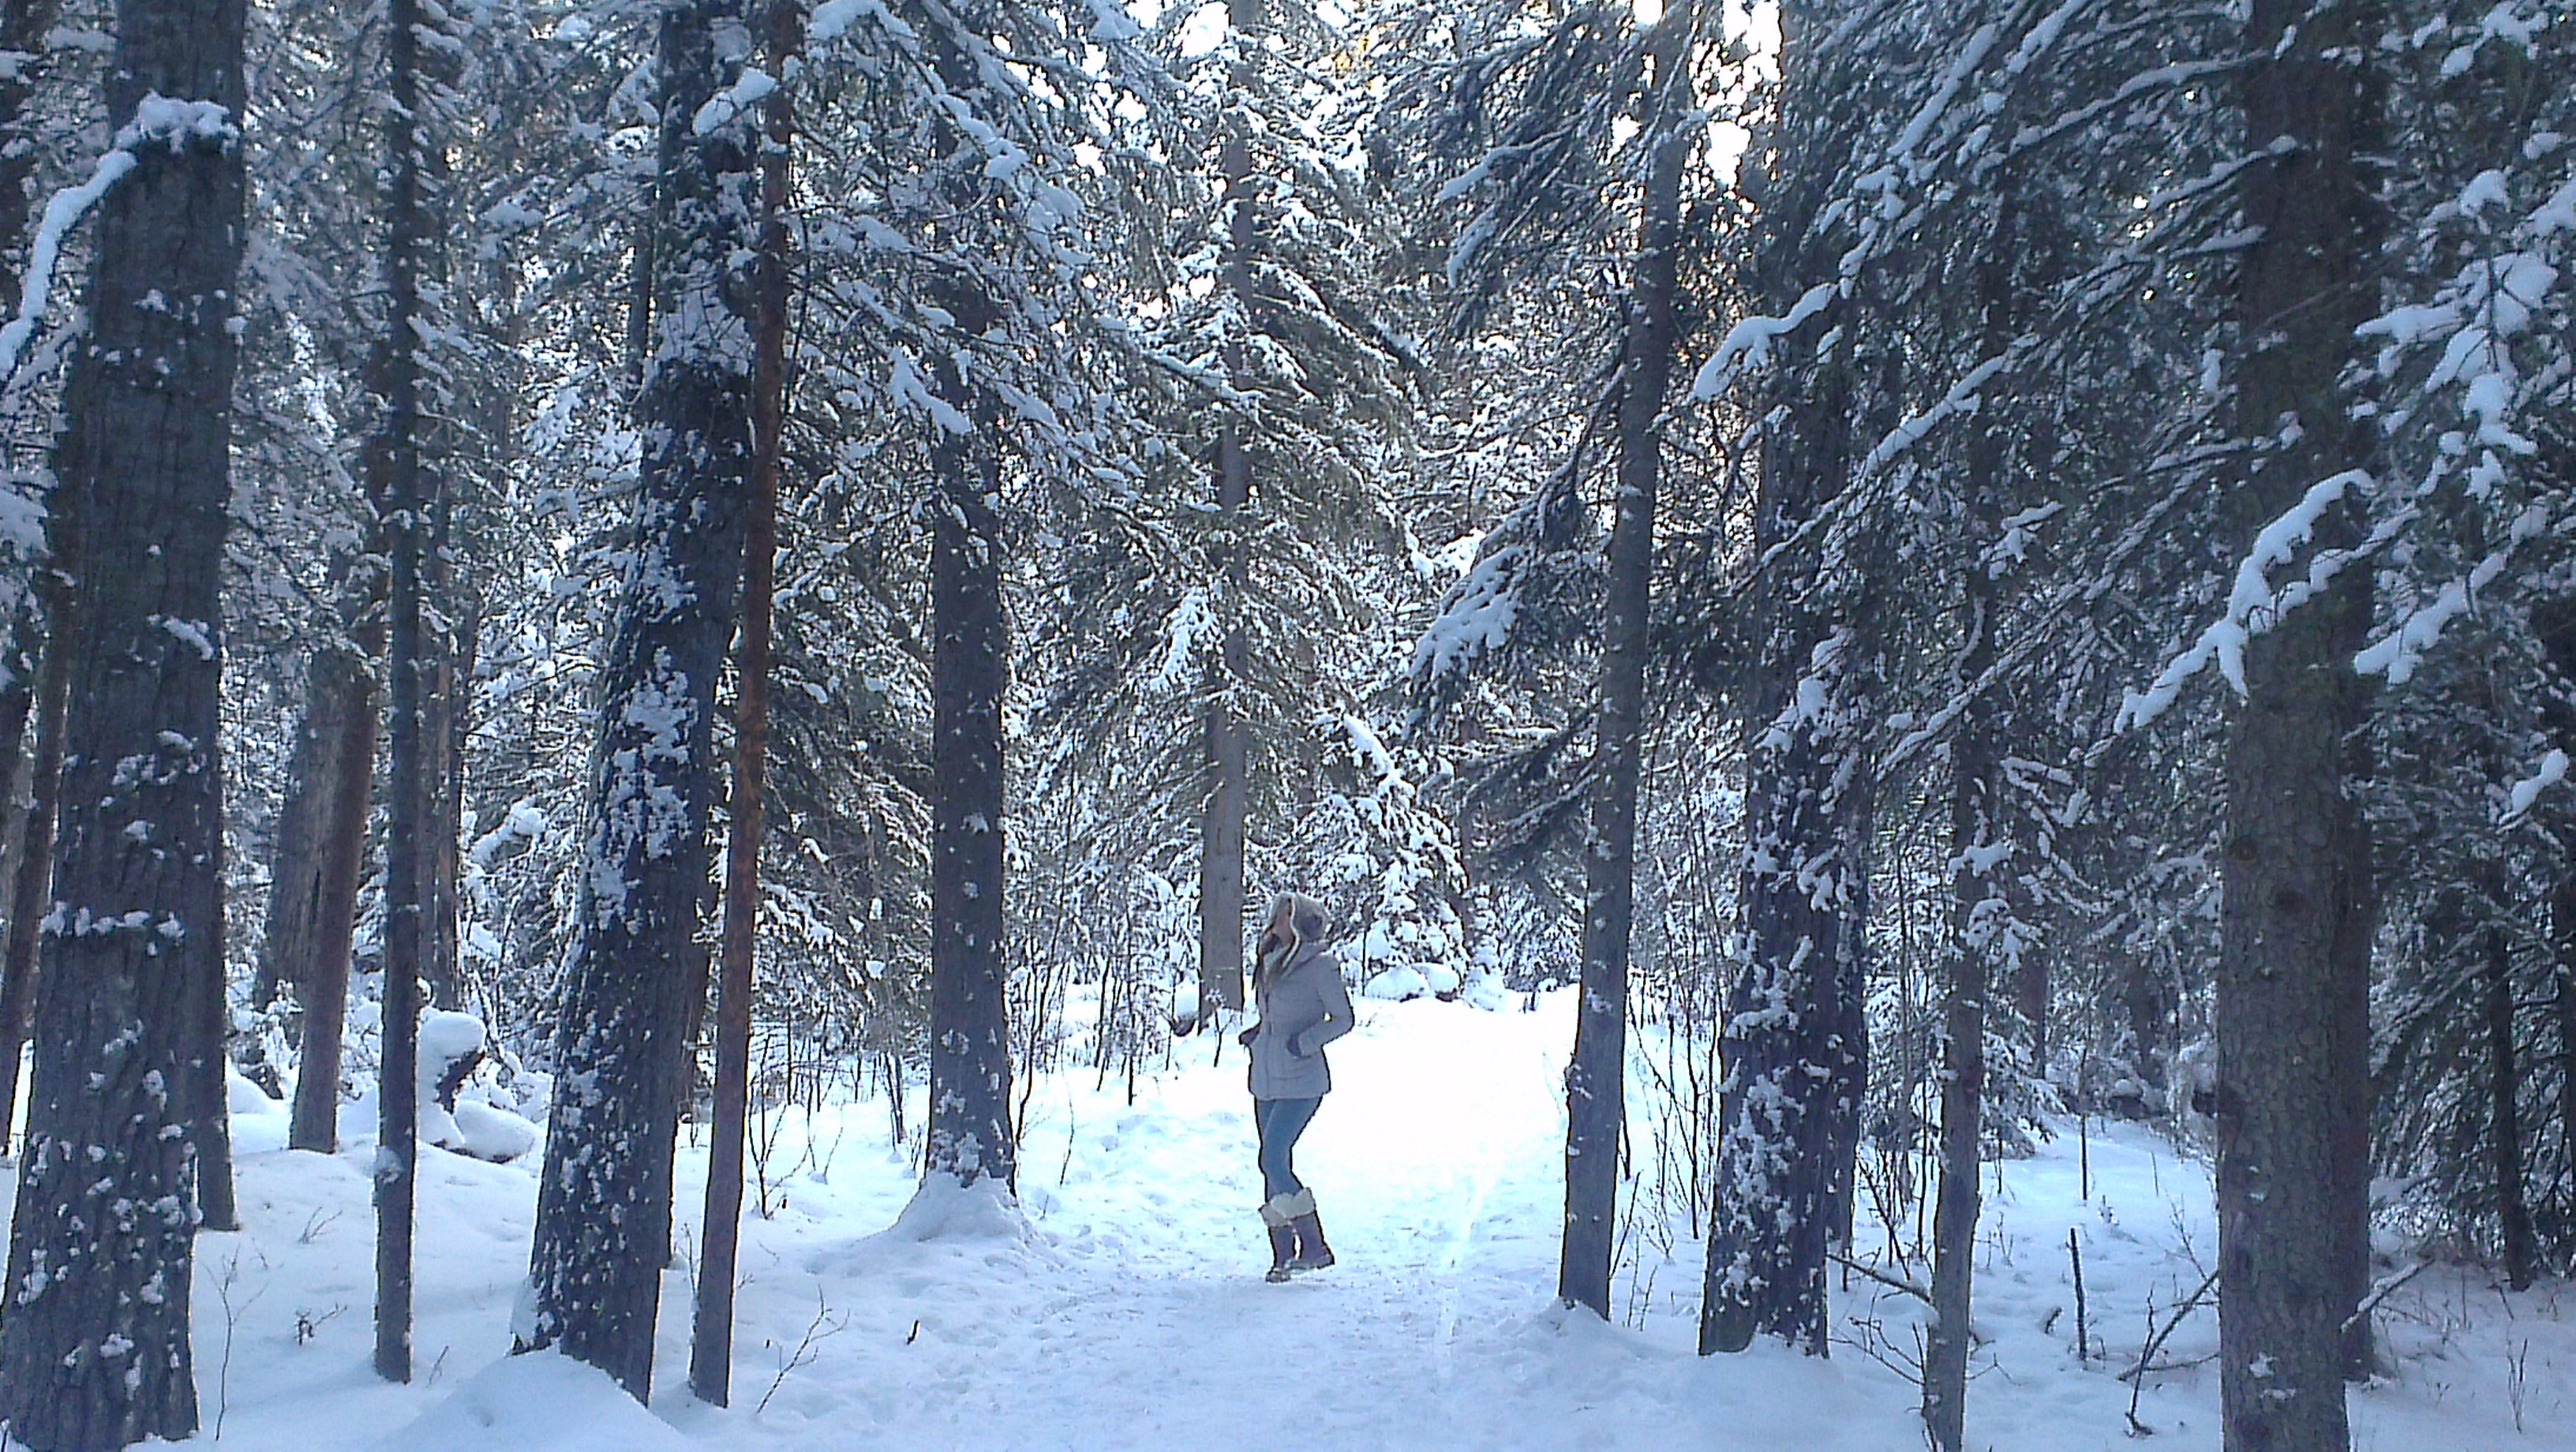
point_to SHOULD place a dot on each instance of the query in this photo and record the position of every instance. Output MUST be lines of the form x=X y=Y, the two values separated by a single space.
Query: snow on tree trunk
x=636 y=965
x=2293 y=978
x=970 y=1059
x=970 y=1062
x=94 y=1350
x=402 y=500
x=1791 y=1028
x=1221 y=845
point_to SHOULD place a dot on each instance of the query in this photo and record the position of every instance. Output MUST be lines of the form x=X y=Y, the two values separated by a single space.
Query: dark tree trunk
x=2513 y=1212
x=1792 y=1037
x=321 y=855
x=23 y=24
x=1976 y=902
x=1596 y=1075
x=410 y=237
x=970 y=1062
x=1787 y=1024
x=2567 y=1093
x=446 y=666
x=1221 y=885
x=711 y=1334
x=30 y=884
x=207 y=1095
x=94 y=1350
x=604 y=1206
x=2297 y=899
x=2030 y=1000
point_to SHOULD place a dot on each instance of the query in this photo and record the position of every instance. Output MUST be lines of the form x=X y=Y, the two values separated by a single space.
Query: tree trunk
x=711 y=1335
x=2513 y=1212
x=321 y=857
x=404 y=524
x=1596 y=1076
x=970 y=1060
x=2566 y=1006
x=1221 y=836
x=970 y=1063
x=94 y=1350
x=1786 y=1023
x=2297 y=899
x=449 y=648
x=604 y=1206
x=18 y=672
x=1789 y=1038
x=1977 y=904
x=23 y=24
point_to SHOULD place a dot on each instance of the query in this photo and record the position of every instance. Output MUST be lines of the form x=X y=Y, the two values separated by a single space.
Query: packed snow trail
x=1125 y=1307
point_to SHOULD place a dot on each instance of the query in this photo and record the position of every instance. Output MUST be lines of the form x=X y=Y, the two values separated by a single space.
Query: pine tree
x=94 y=1351
x=638 y=970
x=2294 y=963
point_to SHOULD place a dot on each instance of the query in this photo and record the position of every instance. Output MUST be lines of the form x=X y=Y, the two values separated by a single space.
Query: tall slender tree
x=711 y=1334
x=637 y=967
x=2293 y=1002
x=401 y=487
x=1596 y=1076
x=94 y=1350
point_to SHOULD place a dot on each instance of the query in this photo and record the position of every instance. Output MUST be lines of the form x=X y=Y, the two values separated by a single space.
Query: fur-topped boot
x=1312 y=1252
x=1280 y=1215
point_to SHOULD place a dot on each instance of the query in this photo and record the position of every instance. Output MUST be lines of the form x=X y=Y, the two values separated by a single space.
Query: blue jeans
x=1278 y=1122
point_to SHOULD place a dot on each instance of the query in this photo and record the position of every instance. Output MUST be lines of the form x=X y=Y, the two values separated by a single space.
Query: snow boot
x=1278 y=1215
x=1312 y=1252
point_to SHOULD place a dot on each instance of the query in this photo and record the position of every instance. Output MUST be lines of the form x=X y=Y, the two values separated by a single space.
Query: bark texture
x=2294 y=958
x=621 y=1048
x=1789 y=1037
x=400 y=486
x=321 y=855
x=94 y=1351
x=1792 y=1036
x=970 y=1060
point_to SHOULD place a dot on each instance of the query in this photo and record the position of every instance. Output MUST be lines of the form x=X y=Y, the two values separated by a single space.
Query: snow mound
x=1397 y=984
x=942 y=1209
x=446 y=1037
x=538 y=1400
x=489 y=1132
x=248 y=1100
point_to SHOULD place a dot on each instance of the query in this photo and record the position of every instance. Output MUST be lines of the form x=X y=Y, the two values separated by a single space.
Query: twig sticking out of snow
x=1892 y=1282
x=2382 y=1292
x=2136 y=1376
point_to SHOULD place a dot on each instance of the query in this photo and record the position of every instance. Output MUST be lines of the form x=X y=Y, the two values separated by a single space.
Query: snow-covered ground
x=1127 y=1308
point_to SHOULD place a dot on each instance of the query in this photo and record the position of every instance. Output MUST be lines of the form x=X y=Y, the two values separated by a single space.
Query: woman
x=1297 y=985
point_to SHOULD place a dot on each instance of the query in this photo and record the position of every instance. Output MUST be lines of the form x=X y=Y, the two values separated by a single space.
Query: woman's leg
x=1279 y=1122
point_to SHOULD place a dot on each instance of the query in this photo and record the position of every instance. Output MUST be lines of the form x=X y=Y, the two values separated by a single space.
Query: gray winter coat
x=1302 y=1009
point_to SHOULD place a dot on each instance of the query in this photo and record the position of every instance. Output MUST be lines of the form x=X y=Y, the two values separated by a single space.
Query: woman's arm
x=1337 y=1010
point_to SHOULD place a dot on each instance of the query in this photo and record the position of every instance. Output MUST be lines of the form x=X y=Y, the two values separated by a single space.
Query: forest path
x=1125 y=1307
x=1133 y=1312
